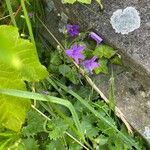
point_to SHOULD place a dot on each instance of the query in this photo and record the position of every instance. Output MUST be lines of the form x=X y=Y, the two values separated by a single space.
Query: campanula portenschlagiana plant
x=75 y=52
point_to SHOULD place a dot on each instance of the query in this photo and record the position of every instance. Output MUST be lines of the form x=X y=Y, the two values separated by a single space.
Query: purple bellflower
x=75 y=52
x=96 y=37
x=31 y=14
x=90 y=64
x=73 y=30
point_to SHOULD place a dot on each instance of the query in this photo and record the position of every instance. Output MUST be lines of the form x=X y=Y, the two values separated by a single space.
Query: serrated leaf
x=102 y=140
x=20 y=54
x=103 y=68
x=30 y=144
x=55 y=58
x=57 y=128
x=55 y=145
x=34 y=124
x=88 y=129
x=104 y=50
x=69 y=72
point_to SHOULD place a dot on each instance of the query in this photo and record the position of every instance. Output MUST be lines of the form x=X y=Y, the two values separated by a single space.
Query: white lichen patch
x=146 y=133
x=125 y=21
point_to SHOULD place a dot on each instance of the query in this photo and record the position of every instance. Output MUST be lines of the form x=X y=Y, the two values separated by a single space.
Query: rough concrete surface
x=133 y=86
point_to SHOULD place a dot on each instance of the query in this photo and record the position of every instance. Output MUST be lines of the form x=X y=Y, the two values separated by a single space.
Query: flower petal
x=96 y=37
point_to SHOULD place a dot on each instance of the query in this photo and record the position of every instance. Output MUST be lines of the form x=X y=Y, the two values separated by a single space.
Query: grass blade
x=8 y=3
x=41 y=97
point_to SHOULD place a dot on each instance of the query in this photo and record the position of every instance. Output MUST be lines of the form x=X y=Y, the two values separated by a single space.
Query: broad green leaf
x=104 y=50
x=20 y=54
x=12 y=110
x=18 y=62
x=103 y=68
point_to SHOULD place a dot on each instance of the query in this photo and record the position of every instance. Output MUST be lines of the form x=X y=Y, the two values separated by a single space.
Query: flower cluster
x=76 y=50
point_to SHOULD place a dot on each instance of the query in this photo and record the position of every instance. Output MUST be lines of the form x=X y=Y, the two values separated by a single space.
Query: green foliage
x=35 y=124
x=57 y=128
x=83 y=1
x=18 y=62
x=70 y=73
x=103 y=68
x=105 y=51
x=30 y=144
x=116 y=60
x=73 y=1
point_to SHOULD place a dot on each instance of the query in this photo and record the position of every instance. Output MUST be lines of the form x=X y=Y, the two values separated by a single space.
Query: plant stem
x=8 y=3
x=28 y=22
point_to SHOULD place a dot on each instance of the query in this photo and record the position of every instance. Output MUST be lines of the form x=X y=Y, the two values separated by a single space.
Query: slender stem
x=47 y=118
x=2 y=18
x=51 y=33
x=28 y=22
x=8 y=3
x=76 y=140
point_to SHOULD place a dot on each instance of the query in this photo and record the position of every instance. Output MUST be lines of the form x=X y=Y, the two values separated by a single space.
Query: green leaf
x=55 y=58
x=30 y=144
x=69 y=72
x=12 y=110
x=56 y=145
x=103 y=68
x=18 y=62
x=73 y=1
x=35 y=124
x=20 y=54
x=57 y=128
x=69 y=1
x=88 y=53
x=102 y=140
x=100 y=3
x=116 y=60
x=88 y=128
x=85 y=1
x=104 y=50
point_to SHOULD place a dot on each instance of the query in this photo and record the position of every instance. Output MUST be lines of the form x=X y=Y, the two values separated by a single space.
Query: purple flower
x=75 y=52
x=73 y=30
x=31 y=14
x=96 y=37
x=90 y=64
